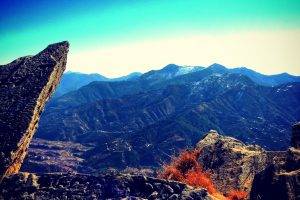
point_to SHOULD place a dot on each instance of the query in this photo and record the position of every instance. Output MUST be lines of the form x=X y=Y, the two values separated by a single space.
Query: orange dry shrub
x=185 y=168
x=171 y=173
x=200 y=179
x=237 y=195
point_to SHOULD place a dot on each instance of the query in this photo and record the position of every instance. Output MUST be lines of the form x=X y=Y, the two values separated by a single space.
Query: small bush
x=186 y=168
x=200 y=179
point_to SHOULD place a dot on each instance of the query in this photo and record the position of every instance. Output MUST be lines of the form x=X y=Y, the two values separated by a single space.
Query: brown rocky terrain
x=25 y=86
x=104 y=186
x=45 y=156
x=231 y=164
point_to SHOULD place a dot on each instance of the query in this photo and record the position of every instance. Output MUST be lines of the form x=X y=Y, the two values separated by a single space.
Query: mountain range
x=74 y=80
x=145 y=120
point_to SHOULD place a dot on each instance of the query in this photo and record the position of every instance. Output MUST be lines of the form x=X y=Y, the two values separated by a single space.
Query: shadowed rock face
x=25 y=86
x=280 y=180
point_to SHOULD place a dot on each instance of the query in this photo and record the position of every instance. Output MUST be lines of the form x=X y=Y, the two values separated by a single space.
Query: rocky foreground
x=231 y=164
x=105 y=186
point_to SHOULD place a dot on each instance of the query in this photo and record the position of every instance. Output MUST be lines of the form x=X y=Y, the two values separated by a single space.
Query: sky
x=117 y=37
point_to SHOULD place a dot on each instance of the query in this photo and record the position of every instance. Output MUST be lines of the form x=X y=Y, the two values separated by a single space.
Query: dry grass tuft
x=186 y=168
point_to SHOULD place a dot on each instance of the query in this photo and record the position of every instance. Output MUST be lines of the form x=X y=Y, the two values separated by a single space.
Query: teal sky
x=119 y=30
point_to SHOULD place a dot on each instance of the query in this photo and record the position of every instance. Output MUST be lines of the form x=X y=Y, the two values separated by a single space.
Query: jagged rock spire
x=25 y=86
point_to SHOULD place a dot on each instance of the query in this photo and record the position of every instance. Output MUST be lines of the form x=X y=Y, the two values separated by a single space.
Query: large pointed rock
x=25 y=86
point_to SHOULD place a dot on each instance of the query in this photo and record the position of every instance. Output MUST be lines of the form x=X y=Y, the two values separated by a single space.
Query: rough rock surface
x=25 y=86
x=103 y=186
x=280 y=180
x=231 y=163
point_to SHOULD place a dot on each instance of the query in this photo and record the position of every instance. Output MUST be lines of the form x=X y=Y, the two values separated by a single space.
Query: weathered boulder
x=231 y=163
x=25 y=86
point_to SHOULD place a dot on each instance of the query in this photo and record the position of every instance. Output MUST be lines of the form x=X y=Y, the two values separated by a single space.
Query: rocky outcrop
x=103 y=186
x=25 y=86
x=280 y=180
x=231 y=163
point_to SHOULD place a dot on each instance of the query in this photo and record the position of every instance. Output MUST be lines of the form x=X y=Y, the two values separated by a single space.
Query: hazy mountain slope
x=287 y=96
x=230 y=103
x=129 y=113
x=144 y=121
x=267 y=80
x=248 y=114
x=153 y=80
x=261 y=79
x=96 y=91
x=129 y=77
x=168 y=72
x=73 y=80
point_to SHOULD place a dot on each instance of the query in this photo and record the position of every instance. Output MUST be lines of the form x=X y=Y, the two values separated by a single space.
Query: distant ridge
x=213 y=92
x=72 y=81
x=267 y=80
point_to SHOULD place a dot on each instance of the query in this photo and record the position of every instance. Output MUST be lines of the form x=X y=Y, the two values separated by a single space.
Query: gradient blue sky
x=117 y=37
